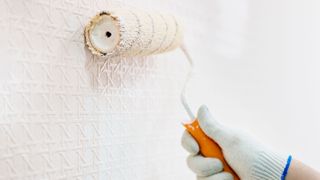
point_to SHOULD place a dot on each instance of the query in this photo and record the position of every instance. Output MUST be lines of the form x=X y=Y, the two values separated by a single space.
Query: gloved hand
x=248 y=158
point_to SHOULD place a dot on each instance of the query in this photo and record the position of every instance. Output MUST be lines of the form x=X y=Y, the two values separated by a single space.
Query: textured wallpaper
x=65 y=114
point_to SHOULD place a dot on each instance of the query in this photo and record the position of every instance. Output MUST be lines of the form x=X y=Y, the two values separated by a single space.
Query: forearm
x=298 y=171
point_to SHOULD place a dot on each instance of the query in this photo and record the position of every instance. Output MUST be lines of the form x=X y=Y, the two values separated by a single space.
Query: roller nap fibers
x=131 y=32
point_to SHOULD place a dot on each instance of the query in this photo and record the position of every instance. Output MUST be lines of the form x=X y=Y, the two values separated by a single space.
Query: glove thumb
x=212 y=127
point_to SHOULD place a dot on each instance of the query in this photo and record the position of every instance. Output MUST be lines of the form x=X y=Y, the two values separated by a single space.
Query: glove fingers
x=189 y=143
x=211 y=127
x=219 y=176
x=204 y=166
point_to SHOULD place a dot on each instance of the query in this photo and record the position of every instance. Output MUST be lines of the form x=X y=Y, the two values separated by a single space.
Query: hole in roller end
x=108 y=34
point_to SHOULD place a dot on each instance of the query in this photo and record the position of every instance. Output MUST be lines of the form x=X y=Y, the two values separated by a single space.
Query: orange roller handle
x=208 y=147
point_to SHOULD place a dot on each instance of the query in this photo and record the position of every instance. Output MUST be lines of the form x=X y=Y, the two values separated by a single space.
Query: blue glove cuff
x=286 y=168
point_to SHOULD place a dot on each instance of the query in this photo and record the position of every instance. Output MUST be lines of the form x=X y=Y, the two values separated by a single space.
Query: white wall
x=60 y=119
x=257 y=69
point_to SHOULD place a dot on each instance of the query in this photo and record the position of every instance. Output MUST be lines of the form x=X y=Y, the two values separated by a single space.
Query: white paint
x=60 y=119
x=257 y=64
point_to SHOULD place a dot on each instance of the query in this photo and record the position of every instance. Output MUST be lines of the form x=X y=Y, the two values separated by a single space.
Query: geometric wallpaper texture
x=65 y=114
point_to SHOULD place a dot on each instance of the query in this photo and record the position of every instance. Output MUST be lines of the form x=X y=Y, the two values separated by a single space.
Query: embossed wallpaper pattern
x=65 y=114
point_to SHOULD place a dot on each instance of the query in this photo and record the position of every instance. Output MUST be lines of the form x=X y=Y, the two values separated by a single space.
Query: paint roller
x=128 y=32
